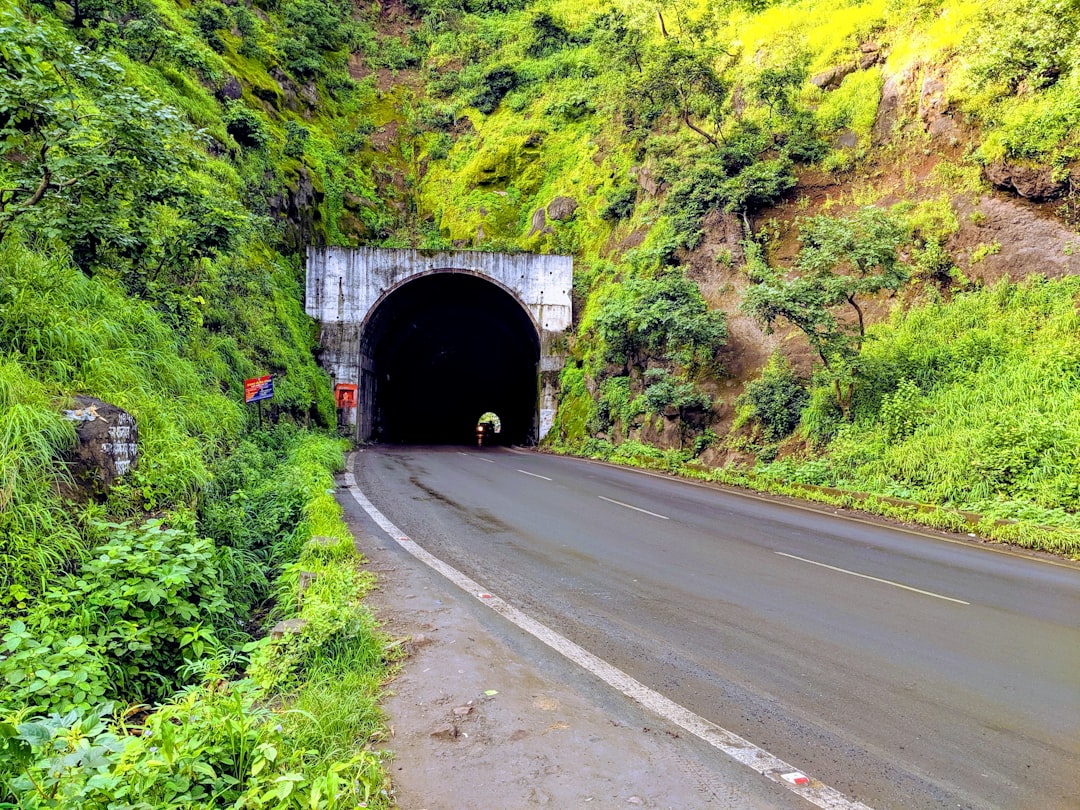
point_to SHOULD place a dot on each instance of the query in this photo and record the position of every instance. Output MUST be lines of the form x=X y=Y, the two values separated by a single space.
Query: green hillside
x=822 y=248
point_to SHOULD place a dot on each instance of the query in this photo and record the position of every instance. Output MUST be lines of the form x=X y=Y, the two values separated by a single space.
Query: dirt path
x=482 y=717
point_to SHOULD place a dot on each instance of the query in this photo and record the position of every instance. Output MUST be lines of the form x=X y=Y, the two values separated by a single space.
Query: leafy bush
x=663 y=317
x=148 y=599
x=216 y=746
x=49 y=672
x=665 y=392
x=731 y=179
x=775 y=400
x=211 y=16
x=620 y=203
x=296 y=136
x=312 y=28
x=246 y=128
x=1029 y=41
x=546 y=35
x=494 y=85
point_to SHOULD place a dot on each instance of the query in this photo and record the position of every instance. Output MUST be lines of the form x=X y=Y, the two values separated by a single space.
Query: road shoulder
x=480 y=718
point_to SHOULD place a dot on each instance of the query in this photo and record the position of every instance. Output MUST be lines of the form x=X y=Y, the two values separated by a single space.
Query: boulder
x=1036 y=183
x=539 y=223
x=832 y=78
x=230 y=90
x=562 y=208
x=108 y=443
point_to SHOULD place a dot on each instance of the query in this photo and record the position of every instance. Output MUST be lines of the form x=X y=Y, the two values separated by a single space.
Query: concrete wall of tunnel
x=350 y=290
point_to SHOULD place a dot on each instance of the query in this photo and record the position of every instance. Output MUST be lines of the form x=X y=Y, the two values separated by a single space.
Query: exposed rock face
x=934 y=106
x=231 y=90
x=832 y=78
x=299 y=207
x=888 y=110
x=298 y=99
x=1028 y=239
x=847 y=139
x=1036 y=183
x=648 y=182
x=870 y=54
x=108 y=443
x=539 y=223
x=562 y=208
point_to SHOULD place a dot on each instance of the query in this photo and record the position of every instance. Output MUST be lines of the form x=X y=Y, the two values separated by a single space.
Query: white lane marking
x=635 y=508
x=822 y=509
x=739 y=749
x=875 y=579
x=534 y=475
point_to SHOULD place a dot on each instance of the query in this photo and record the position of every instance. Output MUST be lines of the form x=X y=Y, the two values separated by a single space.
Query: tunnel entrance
x=440 y=350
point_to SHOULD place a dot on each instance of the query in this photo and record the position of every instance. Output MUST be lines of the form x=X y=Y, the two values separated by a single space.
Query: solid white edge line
x=635 y=508
x=739 y=749
x=875 y=579
x=534 y=475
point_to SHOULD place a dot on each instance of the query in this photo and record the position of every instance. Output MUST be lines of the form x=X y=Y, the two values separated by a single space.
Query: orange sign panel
x=345 y=393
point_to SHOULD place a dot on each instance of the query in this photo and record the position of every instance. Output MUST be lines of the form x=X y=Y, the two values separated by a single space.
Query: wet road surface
x=901 y=669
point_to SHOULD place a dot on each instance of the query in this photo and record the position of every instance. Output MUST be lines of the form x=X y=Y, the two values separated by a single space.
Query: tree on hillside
x=75 y=141
x=614 y=33
x=842 y=259
x=663 y=319
x=685 y=80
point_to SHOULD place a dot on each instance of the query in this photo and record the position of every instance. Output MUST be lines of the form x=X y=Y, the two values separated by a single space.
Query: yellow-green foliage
x=853 y=105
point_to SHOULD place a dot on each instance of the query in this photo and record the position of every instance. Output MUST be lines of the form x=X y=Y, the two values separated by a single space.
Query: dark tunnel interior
x=446 y=348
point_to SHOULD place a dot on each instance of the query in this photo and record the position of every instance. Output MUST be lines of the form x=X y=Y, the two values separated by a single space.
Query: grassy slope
x=562 y=131
x=165 y=316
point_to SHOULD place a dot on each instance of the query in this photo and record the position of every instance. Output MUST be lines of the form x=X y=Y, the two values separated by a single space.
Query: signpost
x=257 y=389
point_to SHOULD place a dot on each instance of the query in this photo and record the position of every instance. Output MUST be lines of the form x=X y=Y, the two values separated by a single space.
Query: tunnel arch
x=440 y=348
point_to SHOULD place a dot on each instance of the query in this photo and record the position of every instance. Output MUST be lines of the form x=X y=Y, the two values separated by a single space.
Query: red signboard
x=345 y=394
x=258 y=388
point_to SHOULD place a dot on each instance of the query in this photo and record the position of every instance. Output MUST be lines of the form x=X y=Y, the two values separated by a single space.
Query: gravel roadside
x=483 y=716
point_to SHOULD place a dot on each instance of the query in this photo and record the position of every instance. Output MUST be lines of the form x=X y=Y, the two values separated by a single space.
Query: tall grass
x=973 y=403
x=78 y=334
x=36 y=534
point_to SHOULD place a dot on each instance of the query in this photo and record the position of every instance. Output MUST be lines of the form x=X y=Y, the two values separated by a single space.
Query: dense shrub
x=245 y=126
x=662 y=317
x=620 y=203
x=146 y=600
x=665 y=392
x=731 y=179
x=774 y=401
x=494 y=85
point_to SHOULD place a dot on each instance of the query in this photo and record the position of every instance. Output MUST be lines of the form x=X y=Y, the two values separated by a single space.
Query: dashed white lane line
x=635 y=508
x=534 y=475
x=875 y=579
x=739 y=749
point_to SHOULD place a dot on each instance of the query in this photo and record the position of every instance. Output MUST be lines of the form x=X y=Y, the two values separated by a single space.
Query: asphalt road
x=901 y=669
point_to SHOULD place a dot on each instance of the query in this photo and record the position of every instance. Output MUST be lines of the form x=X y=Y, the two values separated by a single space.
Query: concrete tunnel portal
x=419 y=344
x=446 y=348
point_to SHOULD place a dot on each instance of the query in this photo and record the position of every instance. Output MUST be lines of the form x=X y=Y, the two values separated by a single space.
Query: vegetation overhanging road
x=901 y=670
